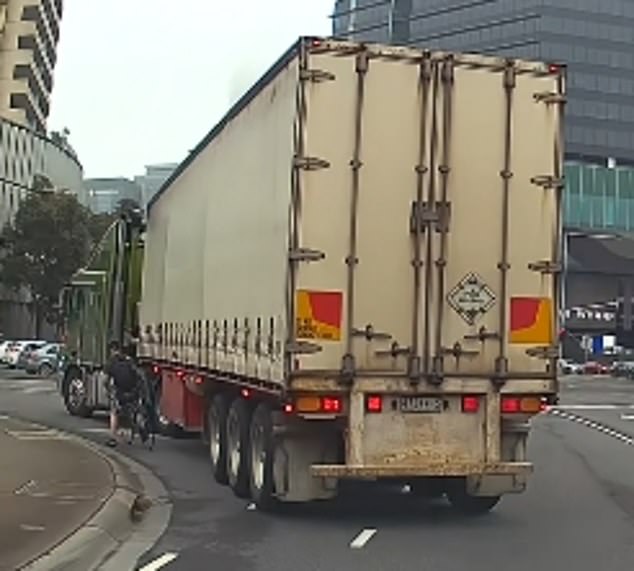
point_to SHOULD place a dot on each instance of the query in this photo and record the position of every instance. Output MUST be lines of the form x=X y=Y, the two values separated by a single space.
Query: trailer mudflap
x=428 y=470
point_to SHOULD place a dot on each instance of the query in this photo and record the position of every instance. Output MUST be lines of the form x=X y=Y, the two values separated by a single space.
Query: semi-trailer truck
x=356 y=274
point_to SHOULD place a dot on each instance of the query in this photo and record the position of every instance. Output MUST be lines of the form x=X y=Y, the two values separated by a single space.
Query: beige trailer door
x=416 y=218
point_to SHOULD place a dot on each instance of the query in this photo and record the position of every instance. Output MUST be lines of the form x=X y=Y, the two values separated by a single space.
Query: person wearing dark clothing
x=124 y=386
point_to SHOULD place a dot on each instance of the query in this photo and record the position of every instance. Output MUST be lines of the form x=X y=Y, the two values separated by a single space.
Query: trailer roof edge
x=233 y=112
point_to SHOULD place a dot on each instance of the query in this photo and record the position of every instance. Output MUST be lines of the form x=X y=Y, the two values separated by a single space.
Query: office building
x=103 y=195
x=29 y=33
x=595 y=38
x=154 y=177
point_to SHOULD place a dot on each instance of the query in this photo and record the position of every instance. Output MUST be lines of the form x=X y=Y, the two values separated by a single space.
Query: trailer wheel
x=217 y=436
x=470 y=505
x=75 y=393
x=237 y=438
x=262 y=447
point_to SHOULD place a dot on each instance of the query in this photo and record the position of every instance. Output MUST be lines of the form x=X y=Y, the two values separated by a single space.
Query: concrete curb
x=137 y=496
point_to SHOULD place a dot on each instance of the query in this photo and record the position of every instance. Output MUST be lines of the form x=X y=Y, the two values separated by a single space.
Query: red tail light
x=156 y=369
x=510 y=405
x=331 y=404
x=288 y=408
x=180 y=374
x=470 y=404
x=246 y=393
x=374 y=403
x=524 y=405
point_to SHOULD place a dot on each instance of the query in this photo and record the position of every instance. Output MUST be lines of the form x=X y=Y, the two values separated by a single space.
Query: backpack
x=123 y=374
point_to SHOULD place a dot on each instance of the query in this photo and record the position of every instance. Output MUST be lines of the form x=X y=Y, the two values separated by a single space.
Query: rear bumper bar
x=431 y=470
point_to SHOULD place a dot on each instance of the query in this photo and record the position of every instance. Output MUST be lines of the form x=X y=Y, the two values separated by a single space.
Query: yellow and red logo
x=531 y=320
x=319 y=315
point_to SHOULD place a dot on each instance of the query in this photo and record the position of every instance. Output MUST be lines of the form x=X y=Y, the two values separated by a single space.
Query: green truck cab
x=100 y=304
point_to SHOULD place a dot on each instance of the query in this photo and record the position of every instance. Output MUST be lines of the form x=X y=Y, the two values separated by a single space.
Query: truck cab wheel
x=237 y=438
x=470 y=505
x=76 y=396
x=261 y=482
x=217 y=437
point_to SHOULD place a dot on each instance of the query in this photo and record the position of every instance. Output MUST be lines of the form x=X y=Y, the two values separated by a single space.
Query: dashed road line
x=160 y=562
x=361 y=539
x=594 y=407
x=604 y=429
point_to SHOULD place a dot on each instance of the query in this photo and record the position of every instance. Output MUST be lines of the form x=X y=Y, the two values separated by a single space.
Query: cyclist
x=124 y=386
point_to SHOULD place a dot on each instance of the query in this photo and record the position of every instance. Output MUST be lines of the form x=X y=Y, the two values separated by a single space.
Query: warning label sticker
x=471 y=298
x=319 y=315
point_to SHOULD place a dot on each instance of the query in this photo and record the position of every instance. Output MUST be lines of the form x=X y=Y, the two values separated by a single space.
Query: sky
x=139 y=82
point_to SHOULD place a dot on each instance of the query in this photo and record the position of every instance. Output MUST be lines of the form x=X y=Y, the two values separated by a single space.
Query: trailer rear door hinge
x=303 y=348
x=545 y=267
x=369 y=333
x=549 y=97
x=458 y=351
x=310 y=163
x=548 y=182
x=544 y=352
x=423 y=215
x=306 y=255
x=316 y=75
x=482 y=335
x=394 y=351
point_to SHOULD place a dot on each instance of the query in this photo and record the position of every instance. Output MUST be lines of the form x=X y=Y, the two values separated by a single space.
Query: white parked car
x=17 y=347
x=4 y=345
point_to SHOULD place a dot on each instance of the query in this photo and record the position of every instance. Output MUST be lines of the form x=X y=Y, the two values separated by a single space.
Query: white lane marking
x=97 y=430
x=251 y=507
x=27 y=527
x=626 y=439
x=4 y=417
x=160 y=562
x=627 y=417
x=593 y=407
x=361 y=539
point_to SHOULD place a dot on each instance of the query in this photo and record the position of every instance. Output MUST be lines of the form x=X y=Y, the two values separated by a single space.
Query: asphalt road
x=49 y=486
x=578 y=512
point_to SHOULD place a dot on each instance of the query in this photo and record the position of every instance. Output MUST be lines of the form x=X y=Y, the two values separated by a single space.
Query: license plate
x=420 y=404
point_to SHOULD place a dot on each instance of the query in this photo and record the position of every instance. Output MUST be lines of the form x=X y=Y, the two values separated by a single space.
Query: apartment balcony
x=35 y=13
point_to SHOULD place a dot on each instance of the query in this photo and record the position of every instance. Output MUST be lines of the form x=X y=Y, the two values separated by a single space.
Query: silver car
x=44 y=361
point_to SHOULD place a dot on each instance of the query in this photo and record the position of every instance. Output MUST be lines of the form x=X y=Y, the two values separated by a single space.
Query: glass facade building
x=599 y=198
x=595 y=38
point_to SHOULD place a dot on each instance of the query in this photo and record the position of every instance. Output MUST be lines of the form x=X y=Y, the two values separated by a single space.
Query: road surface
x=49 y=487
x=578 y=512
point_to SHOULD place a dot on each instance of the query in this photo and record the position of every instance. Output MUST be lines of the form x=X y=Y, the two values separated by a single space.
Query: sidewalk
x=50 y=486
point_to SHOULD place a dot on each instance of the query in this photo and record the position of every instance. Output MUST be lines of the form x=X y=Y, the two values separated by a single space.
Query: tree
x=47 y=242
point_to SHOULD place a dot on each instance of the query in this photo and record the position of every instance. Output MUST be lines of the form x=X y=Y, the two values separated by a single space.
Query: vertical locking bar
x=447 y=78
x=509 y=79
x=348 y=365
x=431 y=199
x=426 y=71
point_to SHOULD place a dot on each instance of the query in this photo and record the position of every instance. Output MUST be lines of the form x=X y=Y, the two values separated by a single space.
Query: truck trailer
x=356 y=274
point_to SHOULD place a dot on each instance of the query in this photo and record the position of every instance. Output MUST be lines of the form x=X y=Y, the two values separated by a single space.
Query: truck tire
x=470 y=505
x=237 y=439
x=75 y=395
x=217 y=431
x=262 y=448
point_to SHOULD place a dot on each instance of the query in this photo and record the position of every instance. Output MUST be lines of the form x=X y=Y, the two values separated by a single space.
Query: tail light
x=319 y=404
x=470 y=404
x=156 y=369
x=522 y=405
x=374 y=403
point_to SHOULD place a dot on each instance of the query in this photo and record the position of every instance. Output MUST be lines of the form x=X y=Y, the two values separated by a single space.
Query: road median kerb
x=134 y=492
